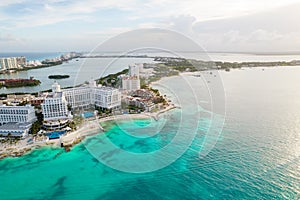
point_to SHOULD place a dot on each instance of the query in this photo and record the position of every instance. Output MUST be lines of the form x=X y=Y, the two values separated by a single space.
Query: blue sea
x=186 y=154
x=30 y=56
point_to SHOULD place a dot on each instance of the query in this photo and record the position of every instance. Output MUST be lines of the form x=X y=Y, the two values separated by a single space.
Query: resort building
x=131 y=81
x=107 y=98
x=16 y=121
x=80 y=97
x=55 y=110
x=12 y=63
x=55 y=106
x=13 y=129
x=91 y=95
x=16 y=114
x=138 y=102
x=134 y=70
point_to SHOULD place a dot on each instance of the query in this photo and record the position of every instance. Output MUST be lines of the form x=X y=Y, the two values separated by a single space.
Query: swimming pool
x=55 y=134
x=88 y=114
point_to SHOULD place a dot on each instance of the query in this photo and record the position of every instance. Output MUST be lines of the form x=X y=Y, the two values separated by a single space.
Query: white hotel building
x=93 y=95
x=16 y=120
x=18 y=114
x=107 y=98
x=12 y=63
x=55 y=109
x=55 y=106
x=131 y=81
x=80 y=97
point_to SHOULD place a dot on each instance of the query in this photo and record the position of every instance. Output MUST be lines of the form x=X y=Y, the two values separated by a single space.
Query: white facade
x=12 y=62
x=19 y=114
x=107 y=97
x=55 y=107
x=134 y=70
x=131 y=81
x=79 y=97
x=90 y=95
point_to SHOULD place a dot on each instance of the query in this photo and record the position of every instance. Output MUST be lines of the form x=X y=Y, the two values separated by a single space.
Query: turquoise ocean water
x=257 y=155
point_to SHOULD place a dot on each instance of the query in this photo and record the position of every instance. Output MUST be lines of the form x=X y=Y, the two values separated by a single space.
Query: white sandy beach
x=89 y=127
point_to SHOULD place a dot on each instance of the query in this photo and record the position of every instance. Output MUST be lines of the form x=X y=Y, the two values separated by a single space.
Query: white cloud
x=7 y=38
x=148 y=10
x=217 y=24
x=261 y=35
x=272 y=30
x=4 y=3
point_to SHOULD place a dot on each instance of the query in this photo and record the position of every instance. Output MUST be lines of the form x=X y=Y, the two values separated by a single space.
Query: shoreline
x=90 y=128
x=204 y=70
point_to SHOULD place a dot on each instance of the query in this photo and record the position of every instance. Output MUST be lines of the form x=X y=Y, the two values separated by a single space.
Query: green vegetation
x=143 y=83
x=24 y=103
x=159 y=99
x=44 y=65
x=69 y=107
x=36 y=126
x=72 y=125
x=155 y=91
x=58 y=76
x=103 y=112
x=21 y=83
x=111 y=79
x=178 y=64
x=182 y=64
x=78 y=120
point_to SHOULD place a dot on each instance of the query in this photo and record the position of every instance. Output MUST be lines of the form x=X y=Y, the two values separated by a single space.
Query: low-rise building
x=13 y=129
x=13 y=99
x=37 y=101
x=138 y=102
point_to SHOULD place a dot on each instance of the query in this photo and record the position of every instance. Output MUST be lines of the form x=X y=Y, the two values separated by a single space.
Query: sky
x=216 y=25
